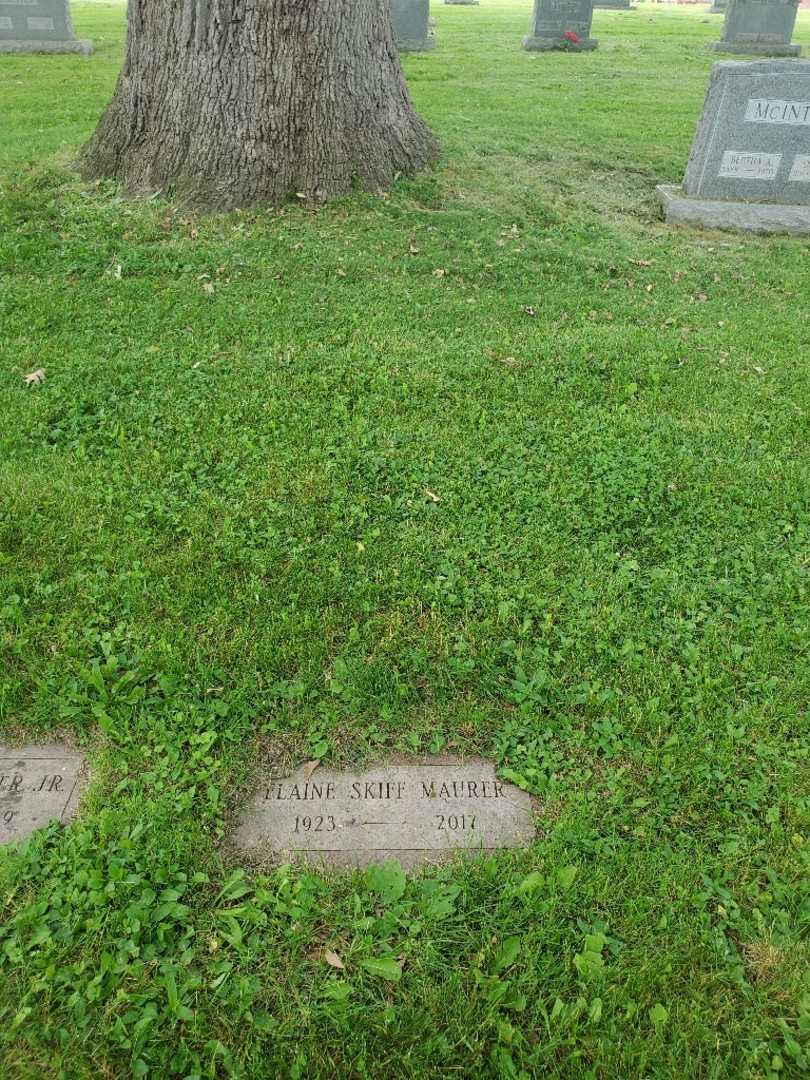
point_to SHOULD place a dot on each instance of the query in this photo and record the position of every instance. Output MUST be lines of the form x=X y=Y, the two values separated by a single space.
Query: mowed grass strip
x=495 y=463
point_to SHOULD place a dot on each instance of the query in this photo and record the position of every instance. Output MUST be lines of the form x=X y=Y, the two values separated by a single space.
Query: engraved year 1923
x=316 y=823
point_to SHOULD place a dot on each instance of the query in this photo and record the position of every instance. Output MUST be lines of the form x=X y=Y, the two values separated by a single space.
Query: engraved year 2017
x=456 y=822
x=318 y=823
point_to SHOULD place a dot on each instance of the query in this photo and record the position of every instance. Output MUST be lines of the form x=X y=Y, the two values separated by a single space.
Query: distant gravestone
x=759 y=27
x=718 y=7
x=749 y=167
x=28 y=26
x=469 y=3
x=561 y=24
x=38 y=784
x=615 y=5
x=415 y=813
x=411 y=22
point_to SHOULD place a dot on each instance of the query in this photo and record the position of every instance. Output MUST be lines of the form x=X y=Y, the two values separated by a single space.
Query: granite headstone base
x=756 y=217
x=546 y=44
x=757 y=48
x=466 y=3
x=425 y=44
x=615 y=5
x=39 y=26
x=83 y=47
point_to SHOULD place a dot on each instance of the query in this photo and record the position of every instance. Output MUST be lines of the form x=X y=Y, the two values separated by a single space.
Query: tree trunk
x=229 y=103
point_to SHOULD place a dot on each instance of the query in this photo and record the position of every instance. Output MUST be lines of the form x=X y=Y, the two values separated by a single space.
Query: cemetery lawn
x=498 y=465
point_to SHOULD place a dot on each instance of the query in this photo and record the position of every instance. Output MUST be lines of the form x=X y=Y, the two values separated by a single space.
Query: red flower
x=572 y=37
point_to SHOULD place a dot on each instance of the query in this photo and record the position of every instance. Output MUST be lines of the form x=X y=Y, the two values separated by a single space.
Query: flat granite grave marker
x=29 y=26
x=759 y=27
x=411 y=22
x=749 y=167
x=554 y=19
x=415 y=813
x=38 y=784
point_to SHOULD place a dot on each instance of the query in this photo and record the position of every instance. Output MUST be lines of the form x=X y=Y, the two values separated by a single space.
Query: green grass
x=216 y=535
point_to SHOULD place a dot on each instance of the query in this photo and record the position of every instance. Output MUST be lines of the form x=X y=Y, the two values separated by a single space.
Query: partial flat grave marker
x=38 y=784
x=749 y=165
x=28 y=26
x=415 y=813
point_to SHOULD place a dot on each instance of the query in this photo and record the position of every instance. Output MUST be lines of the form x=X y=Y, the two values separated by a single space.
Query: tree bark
x=230 y=103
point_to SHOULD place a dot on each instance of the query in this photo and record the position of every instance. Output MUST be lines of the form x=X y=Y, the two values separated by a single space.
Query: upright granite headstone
x=28 y=26
x=615 y=5
x=718 y=7
x=561 y=24
x=415 y=813
x=759 y=28
x=749 y=167
x=38 y=784
x=412 y=29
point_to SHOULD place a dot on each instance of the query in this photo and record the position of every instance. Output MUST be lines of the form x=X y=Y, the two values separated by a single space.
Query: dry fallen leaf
x=35 y=377
x=508 y=361
x=208 y=287
x=310 y=768
x=333 y=960
x=439 y=273
x=431 y=495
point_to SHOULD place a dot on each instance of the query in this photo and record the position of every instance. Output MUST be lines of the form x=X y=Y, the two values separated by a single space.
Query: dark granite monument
x=28 y=26
x=415 y=813
x=759 y=28
x=749 y=167
x=561 y=24
x=412 y=26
